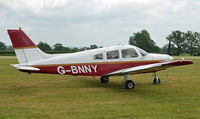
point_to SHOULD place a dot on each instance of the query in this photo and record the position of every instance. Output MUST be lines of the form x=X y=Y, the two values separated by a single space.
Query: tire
x=104 y=79
x=156 y=81
x=129 y=84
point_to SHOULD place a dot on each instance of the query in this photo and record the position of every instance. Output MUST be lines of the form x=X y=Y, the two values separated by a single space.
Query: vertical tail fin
x=25 y=50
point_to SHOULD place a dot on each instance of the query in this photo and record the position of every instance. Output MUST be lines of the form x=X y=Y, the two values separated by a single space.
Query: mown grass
x=45 y=96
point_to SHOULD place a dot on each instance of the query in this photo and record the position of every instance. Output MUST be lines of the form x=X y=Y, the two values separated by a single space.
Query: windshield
x=142 y=52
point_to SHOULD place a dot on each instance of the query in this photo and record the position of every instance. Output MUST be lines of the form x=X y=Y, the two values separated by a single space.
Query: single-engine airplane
x=121 y=60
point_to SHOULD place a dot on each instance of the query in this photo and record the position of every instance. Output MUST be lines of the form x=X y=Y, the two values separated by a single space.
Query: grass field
x=45 y=96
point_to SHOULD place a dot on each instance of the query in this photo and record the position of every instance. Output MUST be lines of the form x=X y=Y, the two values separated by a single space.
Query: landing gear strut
x=127 y=83
x=156 y=80
x=104 y=79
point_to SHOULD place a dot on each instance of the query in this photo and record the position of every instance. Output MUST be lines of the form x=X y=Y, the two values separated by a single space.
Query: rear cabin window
x=112 y=54
x=98 y=56
x=129 y=53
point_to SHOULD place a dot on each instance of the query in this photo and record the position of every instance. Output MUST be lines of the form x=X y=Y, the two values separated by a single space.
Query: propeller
x=168 y=52
x=169 y=46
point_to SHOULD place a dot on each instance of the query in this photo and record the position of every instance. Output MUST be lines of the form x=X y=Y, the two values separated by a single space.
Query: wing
x=151 y=67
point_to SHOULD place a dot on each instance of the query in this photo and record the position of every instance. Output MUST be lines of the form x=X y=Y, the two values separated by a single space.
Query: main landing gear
x=104 y=79
x=127 y=83
x=156 y=80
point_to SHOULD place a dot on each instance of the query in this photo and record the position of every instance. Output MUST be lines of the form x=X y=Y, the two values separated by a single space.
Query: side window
x=129 y=53
x=98 y=56
x=112 y=54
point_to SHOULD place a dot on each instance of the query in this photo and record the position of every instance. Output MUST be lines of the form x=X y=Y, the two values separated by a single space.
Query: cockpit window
x=98 y=56
x=142 y=52
x=112 y=54
x=129 y=53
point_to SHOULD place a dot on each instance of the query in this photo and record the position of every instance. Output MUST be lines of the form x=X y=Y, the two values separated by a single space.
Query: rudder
x=25 y=50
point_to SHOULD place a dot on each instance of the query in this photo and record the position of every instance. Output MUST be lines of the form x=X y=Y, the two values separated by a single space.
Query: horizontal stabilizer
x=25 y=68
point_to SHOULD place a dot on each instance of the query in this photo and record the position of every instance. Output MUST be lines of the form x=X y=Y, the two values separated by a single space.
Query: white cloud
x=99 y=21
x=34 y=6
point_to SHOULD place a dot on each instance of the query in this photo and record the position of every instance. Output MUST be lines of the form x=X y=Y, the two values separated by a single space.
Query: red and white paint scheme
x=120 y=60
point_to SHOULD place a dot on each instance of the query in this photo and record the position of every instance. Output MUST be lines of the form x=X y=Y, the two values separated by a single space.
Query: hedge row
x=12 y=53
x=7 y=53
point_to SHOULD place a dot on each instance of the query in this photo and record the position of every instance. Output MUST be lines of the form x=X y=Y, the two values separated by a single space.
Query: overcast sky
x=102 y=22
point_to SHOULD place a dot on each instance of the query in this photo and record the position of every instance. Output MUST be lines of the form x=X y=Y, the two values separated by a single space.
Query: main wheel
x=104 y=79
x=129 y=84
x=156 y=81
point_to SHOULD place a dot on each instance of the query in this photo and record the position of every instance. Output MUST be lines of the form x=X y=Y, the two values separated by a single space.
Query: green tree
x=93 y=46
x=173 y=49
x=156 y=49
x=75 y=50
x=177 y=37
x=10 y=48
x=68 y=49
x=89 y=48
x=2 y=46
x=143 y=40
x=192 y=42
x=59 y=47
x=44 y=46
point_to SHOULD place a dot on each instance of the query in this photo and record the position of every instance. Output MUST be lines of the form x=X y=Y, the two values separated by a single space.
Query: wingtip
x=183 y=62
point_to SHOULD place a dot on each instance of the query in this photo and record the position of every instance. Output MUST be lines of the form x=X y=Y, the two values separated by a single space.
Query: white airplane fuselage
x=85 y=63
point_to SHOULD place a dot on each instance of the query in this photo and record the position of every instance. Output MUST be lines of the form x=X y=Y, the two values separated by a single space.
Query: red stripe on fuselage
x=90 y=69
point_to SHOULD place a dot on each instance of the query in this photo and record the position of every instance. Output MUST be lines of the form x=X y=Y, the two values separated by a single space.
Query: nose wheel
x=156 y=80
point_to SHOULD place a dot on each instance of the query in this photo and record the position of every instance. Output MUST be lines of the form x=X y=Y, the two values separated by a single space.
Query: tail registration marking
x=81 y=69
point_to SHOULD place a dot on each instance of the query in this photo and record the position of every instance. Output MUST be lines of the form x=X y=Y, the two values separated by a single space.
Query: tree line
x=57 y=47
x=186 y=43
